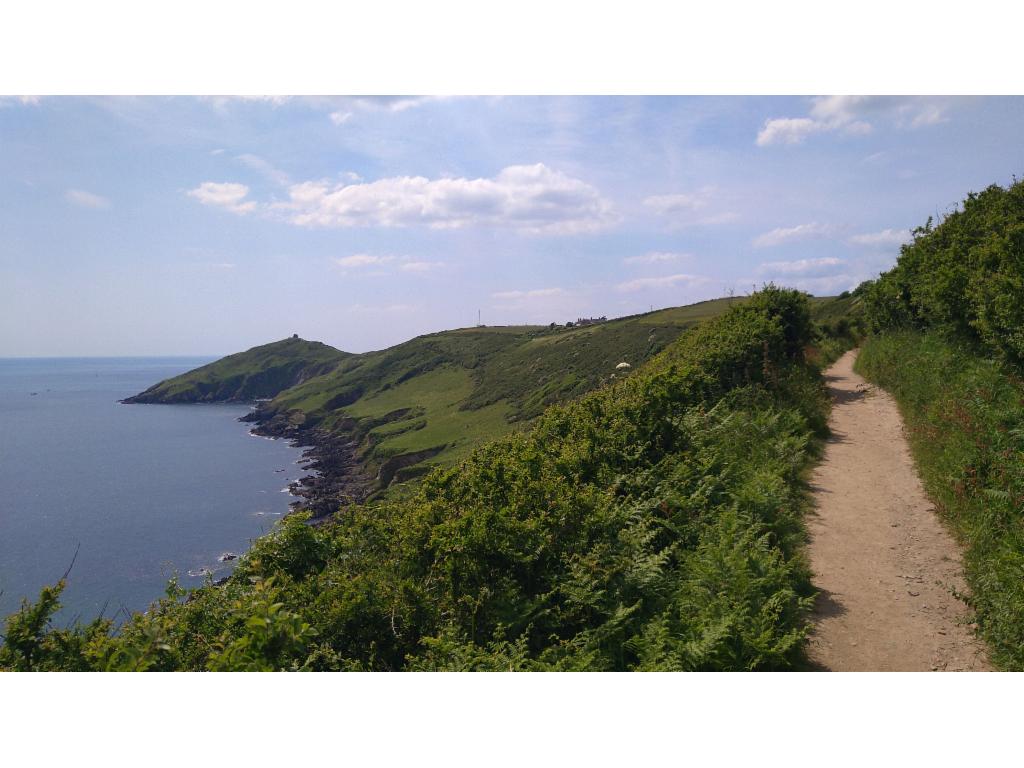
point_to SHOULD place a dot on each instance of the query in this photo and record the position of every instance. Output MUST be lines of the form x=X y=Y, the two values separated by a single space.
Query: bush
x=652 y=524
x=964 y=277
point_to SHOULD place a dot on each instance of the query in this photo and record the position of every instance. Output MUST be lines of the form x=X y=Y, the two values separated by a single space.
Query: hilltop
x=260 y=372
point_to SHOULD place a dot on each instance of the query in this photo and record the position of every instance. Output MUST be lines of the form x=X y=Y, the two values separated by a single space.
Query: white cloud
x=883 y=238
x=839 y=111
x=363 y=260
x=28 y=101
x=392 y=103
x=930 y=114
x=824 y=265
x=668 y=281
x=345 y=108
x=536 y=293
x=532 y=199
x=84 y=199
x=677 y=203
x=227 y=195
x=851 y=114
x=789 y=234
x=221 y=103
x=657 y=257
x=529 y=198
x=787 y=130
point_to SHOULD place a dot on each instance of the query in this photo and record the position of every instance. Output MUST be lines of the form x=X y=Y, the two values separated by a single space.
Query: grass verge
x=965 y=416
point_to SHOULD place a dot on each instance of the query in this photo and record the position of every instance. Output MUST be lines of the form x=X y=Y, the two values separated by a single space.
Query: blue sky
x=133 y=226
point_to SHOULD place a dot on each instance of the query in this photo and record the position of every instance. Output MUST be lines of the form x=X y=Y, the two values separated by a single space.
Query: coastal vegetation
x=948 y=342
x=395 y=414
x=654 y=522
x=261 y=372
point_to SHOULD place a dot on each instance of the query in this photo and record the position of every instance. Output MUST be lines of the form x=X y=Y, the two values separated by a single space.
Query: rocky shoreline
x=336 y=470
x=336 y=475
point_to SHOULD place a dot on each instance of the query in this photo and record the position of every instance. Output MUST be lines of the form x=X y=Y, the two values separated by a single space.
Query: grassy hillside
x=430 y=400
x=948 y=343
x=839 y=323
x=447 y=392
x=655 y=523
x=260 y=372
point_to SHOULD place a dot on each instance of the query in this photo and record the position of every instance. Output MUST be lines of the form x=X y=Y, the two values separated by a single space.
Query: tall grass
x=965 y=414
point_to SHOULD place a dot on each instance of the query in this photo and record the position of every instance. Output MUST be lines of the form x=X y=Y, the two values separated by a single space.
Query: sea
x=127 y=496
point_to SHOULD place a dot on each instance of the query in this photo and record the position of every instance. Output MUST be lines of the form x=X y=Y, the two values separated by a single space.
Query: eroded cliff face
x=342 y=465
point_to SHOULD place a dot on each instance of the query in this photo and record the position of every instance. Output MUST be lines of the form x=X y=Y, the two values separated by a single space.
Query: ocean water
x=141 y=491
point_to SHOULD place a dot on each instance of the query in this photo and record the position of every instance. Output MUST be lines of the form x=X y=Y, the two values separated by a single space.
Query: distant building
x=591 y=320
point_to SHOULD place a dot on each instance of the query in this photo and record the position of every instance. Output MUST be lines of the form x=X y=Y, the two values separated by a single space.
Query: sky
x=205 y=226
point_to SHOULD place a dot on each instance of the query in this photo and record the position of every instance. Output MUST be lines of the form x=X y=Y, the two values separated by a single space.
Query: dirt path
x=882 y=560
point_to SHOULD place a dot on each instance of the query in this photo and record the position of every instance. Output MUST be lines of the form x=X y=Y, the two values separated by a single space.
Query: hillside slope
x=444 y=393
x=260 y=372
x=387 y=416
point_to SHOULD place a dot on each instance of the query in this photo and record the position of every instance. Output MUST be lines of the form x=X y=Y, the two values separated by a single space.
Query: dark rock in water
x=221 y=581
x=227 y=556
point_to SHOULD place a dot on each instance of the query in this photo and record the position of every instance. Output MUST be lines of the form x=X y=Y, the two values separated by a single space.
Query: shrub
x=652 y=524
